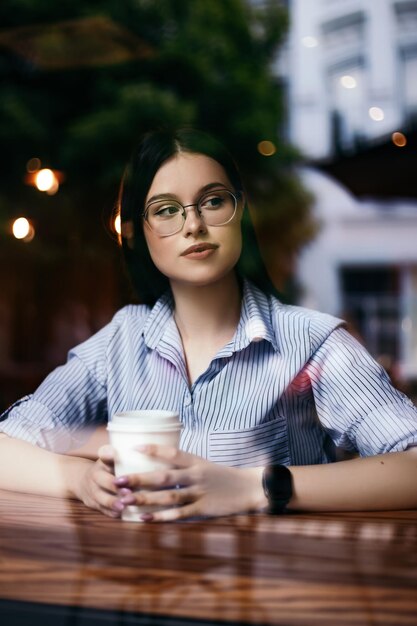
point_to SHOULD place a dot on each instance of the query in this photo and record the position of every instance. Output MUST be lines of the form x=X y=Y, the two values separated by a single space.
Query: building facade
x=352 y=72
x=350 y=67
x=362 y=266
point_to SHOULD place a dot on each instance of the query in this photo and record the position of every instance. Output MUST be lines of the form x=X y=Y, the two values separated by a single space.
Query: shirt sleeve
x=70 y=402
x=355 y=400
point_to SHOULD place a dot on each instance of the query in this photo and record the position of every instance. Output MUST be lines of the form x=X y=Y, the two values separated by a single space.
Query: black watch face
x=278 y=482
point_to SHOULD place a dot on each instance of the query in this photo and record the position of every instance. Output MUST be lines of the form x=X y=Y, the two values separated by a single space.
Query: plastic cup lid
x=145 y=420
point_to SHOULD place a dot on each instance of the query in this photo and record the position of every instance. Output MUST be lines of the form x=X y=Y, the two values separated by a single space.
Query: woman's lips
x=199 y=250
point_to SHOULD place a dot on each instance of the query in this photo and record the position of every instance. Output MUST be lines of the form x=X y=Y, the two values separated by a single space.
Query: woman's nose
x=194 y=223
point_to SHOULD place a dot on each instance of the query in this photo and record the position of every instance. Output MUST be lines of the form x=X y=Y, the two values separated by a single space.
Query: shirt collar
x=254 y=324
x=255 y=319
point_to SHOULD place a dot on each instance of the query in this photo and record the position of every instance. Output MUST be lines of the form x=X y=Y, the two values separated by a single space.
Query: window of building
x=371 y=303
x=344 y=31
x=347 y=104
x=406 y=15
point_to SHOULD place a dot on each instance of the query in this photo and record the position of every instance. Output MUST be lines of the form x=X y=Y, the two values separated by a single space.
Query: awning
x=379 y=170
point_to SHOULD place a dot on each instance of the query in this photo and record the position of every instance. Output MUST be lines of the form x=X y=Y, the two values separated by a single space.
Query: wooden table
x=64 y=564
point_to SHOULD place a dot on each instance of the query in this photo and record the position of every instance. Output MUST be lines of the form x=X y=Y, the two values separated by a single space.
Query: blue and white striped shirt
x=290 y=385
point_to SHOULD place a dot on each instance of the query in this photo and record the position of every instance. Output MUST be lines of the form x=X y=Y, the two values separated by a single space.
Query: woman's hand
x=206 y=489
x=96 y=486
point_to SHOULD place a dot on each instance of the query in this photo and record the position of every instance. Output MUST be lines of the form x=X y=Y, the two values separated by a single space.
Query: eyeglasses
x=167 y=217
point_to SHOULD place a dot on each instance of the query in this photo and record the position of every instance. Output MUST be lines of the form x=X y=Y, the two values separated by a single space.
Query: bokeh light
x=348 y=82
x=266 y=148
x=45 y=180
x=309 y=42
x=376 y=114
x=33 y=165
x=399 y=139
x=115 y=225
x=23 y=229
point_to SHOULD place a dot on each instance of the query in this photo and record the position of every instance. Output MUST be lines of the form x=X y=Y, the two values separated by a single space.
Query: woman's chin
x=203 y=279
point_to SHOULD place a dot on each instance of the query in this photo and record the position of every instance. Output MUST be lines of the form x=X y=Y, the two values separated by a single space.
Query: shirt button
x=188 y=399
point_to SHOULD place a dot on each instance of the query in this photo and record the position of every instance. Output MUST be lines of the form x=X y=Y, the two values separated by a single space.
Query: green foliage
x=89 y=76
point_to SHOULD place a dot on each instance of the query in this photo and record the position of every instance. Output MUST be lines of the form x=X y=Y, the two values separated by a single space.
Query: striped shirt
x=289 y=386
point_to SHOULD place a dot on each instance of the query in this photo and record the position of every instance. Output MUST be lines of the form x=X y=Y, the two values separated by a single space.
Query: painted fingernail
x=121 y=481
x=146 y=517
x=129 y=499
x=118 y=506
x=125 y=491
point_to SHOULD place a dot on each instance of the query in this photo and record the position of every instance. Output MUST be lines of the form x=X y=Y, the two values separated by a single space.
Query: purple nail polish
x=146 y=517
x=118 y=506
x=129 y=499
x=125 y=491
x=121 y=481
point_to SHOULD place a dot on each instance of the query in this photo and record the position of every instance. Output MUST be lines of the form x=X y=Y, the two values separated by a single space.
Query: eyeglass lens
x=167 y=216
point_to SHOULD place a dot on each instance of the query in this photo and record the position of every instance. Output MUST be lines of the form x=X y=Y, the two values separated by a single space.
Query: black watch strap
x=278 y=487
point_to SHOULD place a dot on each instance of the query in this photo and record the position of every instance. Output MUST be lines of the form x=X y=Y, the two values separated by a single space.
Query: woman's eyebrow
x=213 y=186
x=165 y=196
x=162 y=196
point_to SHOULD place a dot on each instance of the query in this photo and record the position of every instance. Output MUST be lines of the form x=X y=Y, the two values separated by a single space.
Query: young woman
x=264 y=390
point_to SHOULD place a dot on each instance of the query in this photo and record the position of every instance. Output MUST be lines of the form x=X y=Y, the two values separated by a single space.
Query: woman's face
x=185 y=178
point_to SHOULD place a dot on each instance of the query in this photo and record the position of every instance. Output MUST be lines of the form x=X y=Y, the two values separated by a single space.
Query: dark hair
x=155 y=148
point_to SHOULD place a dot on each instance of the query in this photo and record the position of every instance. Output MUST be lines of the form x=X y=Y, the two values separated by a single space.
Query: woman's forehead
x=187 y=173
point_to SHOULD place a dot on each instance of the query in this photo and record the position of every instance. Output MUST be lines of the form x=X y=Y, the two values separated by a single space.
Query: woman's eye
x=213 y=202
x=166 y=211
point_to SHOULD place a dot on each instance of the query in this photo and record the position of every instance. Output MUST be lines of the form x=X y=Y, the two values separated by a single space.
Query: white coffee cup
x=130 y=429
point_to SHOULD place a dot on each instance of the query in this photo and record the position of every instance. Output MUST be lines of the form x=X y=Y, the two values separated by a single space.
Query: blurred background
x=318 y=101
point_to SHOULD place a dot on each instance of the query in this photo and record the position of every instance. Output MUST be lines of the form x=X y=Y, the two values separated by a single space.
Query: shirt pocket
x=251 y=447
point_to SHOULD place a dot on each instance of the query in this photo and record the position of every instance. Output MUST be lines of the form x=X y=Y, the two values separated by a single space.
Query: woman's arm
x=374 y=483
x=387 y=481
x=29 y=469
x=207 y=489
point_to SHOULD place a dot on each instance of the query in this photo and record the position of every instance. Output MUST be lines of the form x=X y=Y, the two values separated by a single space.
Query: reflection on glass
x=348 y=82
x=399 y=139
x=376 y=114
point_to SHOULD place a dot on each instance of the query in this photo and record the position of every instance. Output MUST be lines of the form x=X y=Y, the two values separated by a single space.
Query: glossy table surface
x=80 y=567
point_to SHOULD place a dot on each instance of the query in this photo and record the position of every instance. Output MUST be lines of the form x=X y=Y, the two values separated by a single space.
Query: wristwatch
x=278 y=487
